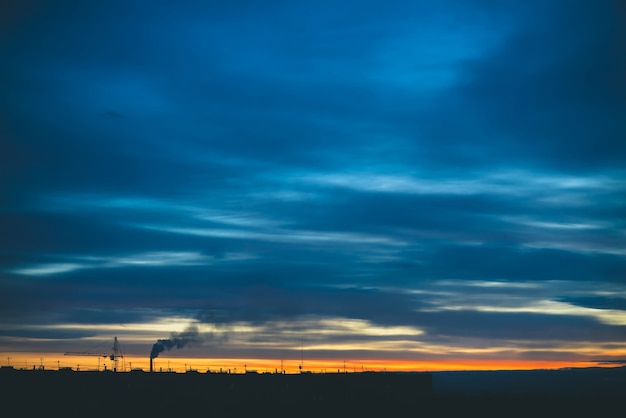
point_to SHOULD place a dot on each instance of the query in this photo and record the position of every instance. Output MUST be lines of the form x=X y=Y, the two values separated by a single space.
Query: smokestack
x=178 y=340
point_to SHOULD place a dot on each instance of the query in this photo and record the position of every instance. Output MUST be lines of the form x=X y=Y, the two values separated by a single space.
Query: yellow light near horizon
x=53 y=361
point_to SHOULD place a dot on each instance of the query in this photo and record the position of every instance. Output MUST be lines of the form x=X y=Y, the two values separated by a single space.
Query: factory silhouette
x=117 y=392
x=362 y=394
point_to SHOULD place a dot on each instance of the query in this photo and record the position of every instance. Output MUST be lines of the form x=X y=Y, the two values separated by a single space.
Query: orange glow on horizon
x=54 y=361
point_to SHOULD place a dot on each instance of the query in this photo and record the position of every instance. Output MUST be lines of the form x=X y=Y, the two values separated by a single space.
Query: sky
x=407 y=184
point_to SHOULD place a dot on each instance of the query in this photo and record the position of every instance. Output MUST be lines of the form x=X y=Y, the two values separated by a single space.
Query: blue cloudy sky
x=412 y=180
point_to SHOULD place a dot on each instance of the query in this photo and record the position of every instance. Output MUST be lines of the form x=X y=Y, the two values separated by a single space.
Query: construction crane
x=115 y=356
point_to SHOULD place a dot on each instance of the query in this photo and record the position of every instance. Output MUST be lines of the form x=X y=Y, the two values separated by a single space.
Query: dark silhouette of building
x=138 y=394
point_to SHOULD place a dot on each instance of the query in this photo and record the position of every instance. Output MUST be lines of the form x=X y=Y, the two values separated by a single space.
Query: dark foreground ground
x=138 y=394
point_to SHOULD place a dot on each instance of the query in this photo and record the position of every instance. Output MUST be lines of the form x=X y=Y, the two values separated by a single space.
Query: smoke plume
x=177 y=340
